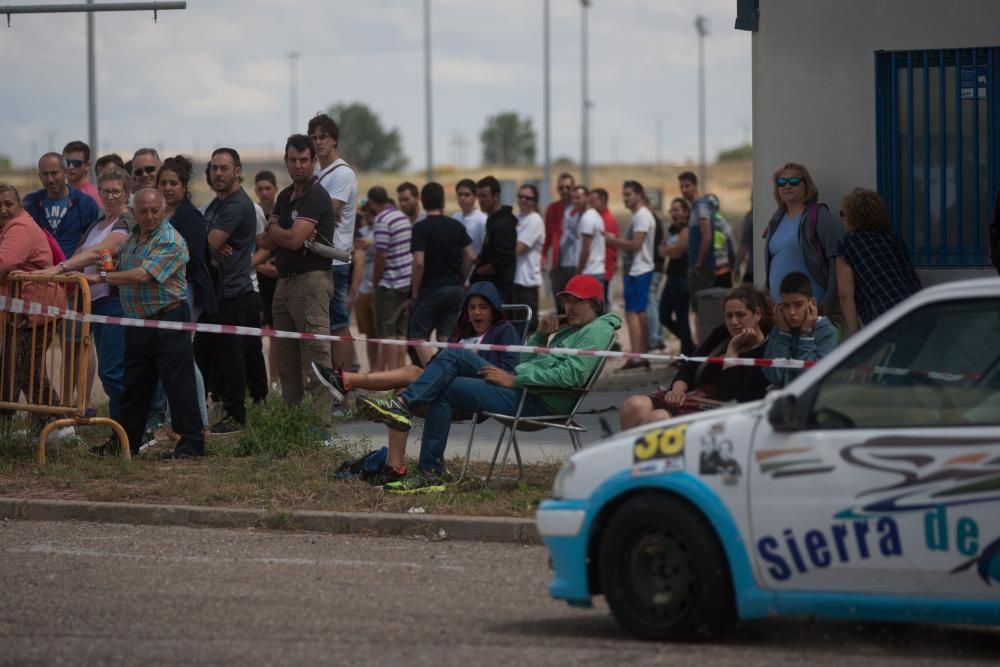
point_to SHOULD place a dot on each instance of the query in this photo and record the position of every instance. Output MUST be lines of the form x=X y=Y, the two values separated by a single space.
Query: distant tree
x=564 y=161
x=4 y=161
x=744 y=152
x=364 y=142
x=508 y=140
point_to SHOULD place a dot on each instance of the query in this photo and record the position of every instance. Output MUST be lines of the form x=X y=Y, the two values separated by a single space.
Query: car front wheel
x=663 y=571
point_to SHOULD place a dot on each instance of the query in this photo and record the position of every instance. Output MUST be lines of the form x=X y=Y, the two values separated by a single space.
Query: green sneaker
x=389 y=411
x=417 y=482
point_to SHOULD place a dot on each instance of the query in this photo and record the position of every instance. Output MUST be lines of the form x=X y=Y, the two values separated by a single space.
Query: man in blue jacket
x=799 y=332
x=58 y=207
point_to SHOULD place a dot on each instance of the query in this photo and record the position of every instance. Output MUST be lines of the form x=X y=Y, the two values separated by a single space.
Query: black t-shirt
x=314 y=205
x=500 y=249
x=236 y=216
x=443 y=241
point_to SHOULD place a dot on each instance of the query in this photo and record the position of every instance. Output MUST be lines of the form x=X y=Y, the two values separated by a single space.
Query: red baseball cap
x=584 y=287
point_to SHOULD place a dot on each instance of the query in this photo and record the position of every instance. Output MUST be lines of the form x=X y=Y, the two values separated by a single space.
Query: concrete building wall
x=814 y=88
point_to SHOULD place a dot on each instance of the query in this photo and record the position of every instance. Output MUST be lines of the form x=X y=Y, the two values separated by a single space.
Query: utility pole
x=585 y=102
x=546 y=196
x=428 y=110
x=90 y=8
x=701 y=25
x=293 y=92
x=91 y=93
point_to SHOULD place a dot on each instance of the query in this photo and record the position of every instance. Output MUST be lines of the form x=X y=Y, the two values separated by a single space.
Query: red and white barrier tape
x=33 y=308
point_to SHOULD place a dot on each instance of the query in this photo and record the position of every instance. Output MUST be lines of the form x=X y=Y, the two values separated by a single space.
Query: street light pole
x=547 y=184
x=701 y=25
x=293 y=91
x=428 y=107
x=585 y=122
x=92 y=93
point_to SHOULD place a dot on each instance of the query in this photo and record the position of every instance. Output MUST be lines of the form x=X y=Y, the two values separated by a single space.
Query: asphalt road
x=78 y=593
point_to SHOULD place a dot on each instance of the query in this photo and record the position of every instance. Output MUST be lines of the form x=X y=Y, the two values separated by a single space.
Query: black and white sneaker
x=332 y=380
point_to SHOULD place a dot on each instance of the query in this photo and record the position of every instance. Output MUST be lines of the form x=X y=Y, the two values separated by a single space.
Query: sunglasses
x=74 y=163
x=525 y=198
x=565 y=188
x=112 y=194
x=144 y=170
x=794 y=181
x=318 y=137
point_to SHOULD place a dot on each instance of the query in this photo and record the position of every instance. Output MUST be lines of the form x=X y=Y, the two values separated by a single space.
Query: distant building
x=896 y=95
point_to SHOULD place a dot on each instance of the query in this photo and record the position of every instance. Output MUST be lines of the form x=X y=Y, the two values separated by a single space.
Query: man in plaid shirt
x=152 y=285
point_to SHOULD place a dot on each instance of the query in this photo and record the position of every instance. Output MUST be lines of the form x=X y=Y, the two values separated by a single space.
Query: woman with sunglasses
x=802 y=237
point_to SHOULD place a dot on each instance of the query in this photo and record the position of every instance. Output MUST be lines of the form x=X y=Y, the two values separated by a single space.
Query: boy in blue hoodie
x=460 y=380
x=799 y=332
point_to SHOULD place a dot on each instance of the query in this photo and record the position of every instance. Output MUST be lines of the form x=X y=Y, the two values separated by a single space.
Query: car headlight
x=563 y=478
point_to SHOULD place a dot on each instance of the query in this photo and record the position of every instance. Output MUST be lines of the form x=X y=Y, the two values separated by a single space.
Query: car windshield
x=938 y=366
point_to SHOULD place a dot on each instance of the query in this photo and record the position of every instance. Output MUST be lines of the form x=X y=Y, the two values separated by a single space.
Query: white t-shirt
x=473 y=340
x=342 y=184
x=642 y=222
x=475 y=226
x=592 y=224
x=528 y=268
x=569 y=238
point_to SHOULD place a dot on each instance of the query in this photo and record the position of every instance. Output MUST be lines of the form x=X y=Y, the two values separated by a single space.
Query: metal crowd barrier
x=24 y=341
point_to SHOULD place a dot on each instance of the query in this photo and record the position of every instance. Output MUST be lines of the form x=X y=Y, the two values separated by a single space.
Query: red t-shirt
x=553 y=228
x=610 y=252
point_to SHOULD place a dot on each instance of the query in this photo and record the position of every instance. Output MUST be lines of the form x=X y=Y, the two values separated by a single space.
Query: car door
x=887 y=478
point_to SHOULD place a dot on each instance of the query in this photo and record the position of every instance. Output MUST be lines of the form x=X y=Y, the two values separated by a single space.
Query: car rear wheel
x=663 y=572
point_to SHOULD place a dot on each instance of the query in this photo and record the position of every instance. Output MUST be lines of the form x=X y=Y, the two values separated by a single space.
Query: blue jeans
x=109 y=341
x=339 y=317
x=451 y=382
x=675 y=301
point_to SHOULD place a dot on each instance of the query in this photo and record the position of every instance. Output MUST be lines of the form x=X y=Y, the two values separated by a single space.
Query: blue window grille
x=937 y=132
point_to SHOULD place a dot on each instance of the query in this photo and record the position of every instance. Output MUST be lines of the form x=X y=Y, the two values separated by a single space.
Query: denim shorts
x=637 y=292
x=339 y=317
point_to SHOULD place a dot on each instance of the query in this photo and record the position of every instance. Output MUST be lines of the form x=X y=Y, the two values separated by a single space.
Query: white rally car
x=869 y=488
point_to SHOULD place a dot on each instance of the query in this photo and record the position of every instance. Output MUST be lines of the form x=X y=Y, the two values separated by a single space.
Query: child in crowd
x=799 y=332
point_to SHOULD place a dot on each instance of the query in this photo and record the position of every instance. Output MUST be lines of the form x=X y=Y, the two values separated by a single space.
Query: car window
x=938 y=366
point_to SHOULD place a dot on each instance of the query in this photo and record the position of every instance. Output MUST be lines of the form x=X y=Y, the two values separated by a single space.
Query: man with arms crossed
x=302 y=297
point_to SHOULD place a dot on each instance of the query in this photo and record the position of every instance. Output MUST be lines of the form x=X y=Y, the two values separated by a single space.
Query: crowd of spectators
x=317 y=255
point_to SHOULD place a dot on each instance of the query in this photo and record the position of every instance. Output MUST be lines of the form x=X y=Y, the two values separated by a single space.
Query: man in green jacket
x=460 y=380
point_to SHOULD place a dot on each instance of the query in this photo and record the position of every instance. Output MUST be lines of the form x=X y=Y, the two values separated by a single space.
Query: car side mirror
x=782 y=415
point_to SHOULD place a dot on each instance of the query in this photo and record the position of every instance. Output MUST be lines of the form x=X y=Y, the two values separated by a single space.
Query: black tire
x=663 y=572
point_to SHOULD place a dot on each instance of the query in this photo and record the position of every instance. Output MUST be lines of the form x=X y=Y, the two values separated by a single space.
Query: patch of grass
x=254 y=470
x=274 y=430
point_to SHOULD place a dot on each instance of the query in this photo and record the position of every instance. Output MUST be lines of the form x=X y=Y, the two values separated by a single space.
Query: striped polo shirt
x=392 y=236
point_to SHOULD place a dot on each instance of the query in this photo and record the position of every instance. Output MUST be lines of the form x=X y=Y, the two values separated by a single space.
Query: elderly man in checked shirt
x=152 y=286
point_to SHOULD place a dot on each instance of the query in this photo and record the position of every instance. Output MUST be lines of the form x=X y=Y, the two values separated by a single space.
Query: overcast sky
x=217 y=73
